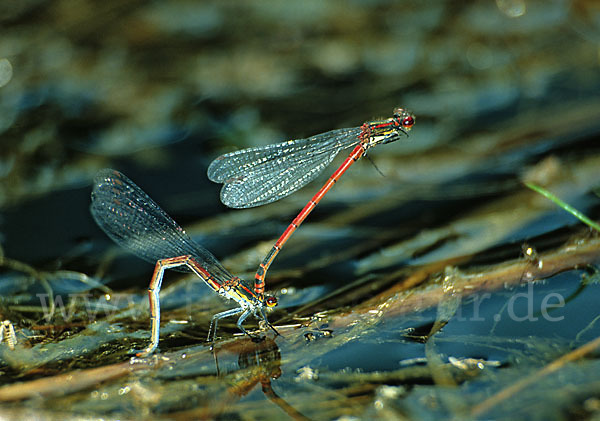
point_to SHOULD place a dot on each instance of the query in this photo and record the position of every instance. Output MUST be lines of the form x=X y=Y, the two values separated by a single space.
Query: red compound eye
x=271 y=301
x=408 y=122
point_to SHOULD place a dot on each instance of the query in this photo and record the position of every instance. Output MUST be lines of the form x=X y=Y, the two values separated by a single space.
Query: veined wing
x=134 y=221
x=264 y=174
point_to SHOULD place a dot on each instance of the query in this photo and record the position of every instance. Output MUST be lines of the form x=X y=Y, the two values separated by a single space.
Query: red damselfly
x=260 y=175
x=135 y=222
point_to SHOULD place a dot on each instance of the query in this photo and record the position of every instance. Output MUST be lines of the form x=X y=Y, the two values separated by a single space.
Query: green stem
x=564 y=205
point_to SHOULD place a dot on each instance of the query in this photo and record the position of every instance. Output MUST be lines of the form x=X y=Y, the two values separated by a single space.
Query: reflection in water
x=260 y=361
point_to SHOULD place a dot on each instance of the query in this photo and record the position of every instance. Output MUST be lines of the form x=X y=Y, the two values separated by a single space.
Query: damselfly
x=135 y=222
x=264 y=174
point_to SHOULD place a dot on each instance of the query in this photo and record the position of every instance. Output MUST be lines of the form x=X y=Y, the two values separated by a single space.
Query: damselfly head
x=270 y=301
x=380 y=132
x=404 y=119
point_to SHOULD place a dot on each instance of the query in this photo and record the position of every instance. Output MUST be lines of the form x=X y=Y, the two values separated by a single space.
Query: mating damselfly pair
x=251 y=177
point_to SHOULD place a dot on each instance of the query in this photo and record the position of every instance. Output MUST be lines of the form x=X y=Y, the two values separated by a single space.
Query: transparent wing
x=264 y=174
x=135 y=222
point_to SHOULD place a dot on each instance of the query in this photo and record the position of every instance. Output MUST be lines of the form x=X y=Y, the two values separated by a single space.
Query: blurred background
x=158 y=90
x=502 y=91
